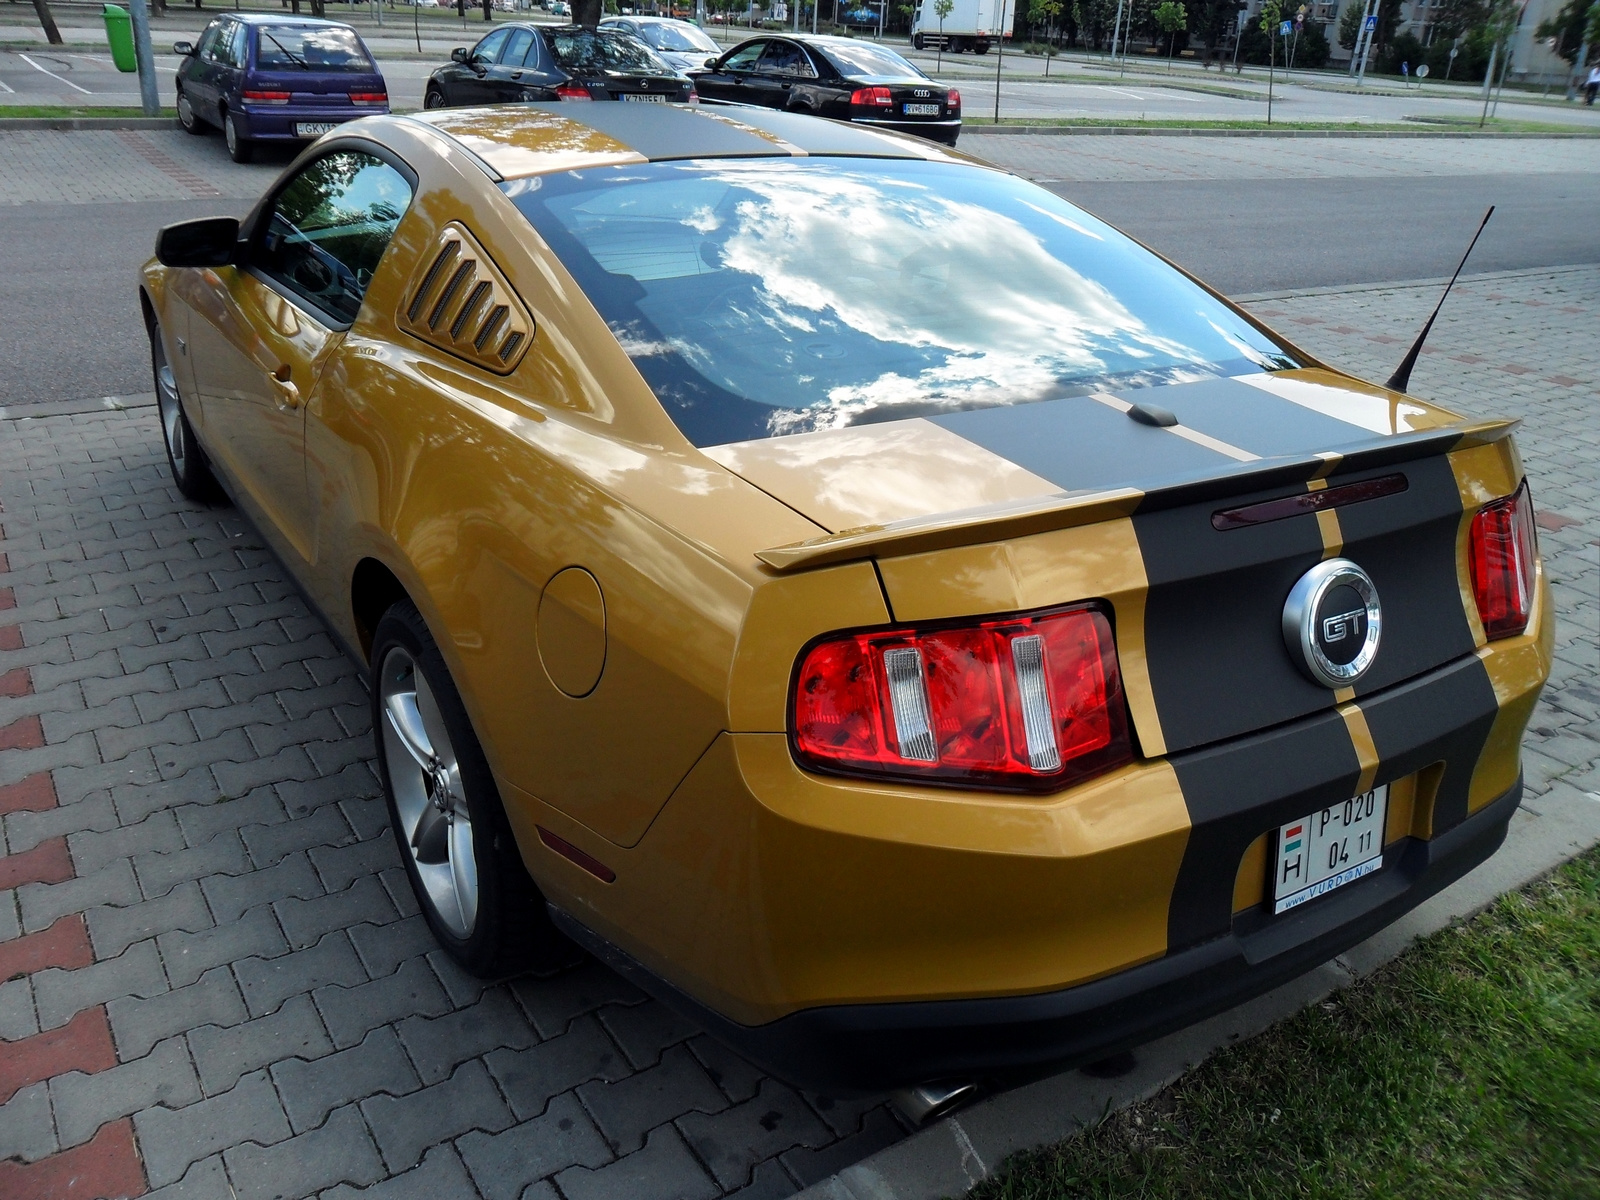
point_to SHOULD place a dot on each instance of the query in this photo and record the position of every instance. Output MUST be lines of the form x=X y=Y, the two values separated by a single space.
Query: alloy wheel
x=170 y=407
x=429 y=800
x=433 y=99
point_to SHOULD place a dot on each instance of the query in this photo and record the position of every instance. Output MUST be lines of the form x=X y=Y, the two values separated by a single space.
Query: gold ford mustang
x=895 y=618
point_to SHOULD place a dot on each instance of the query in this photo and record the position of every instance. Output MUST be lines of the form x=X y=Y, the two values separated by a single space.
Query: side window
x=329 y=227
x=240 y=45
x=785 y=58
x=207 y=49
x=744 y=59
x=488 y=50
x=517 y=48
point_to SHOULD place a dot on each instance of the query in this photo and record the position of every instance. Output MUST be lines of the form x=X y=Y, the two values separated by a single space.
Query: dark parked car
x=533 y=62
x=270 y=78
x=833 y=77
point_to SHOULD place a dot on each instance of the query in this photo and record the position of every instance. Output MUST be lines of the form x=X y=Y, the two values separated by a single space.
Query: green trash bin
x=119 y=32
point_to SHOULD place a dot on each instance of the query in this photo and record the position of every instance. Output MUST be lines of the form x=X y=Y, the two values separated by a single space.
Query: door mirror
x=206 y=242
x=460 y=54
x=711 y=64
x=183 y=49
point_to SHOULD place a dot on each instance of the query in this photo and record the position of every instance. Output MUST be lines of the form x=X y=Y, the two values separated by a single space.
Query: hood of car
x=1125 y=443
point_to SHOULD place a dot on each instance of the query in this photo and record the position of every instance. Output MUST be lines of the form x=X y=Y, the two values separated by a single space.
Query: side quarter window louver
x=461 y=303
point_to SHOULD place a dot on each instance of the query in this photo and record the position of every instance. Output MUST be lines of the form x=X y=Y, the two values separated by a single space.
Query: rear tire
x=981 y=48
x=186 y=115
x=445 y=812
x=191 y=473
x=240 y=149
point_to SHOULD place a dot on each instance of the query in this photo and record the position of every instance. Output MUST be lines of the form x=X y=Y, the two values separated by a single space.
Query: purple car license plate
x=310 y=129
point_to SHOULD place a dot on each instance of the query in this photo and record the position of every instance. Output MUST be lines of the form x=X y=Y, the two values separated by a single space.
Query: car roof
x=285 y=19
x=517 y=141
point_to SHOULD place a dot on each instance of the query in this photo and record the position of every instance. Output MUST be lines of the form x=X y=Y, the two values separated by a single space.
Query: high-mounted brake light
x=266 y=97
x=369 y=97
x=1501 y=549
x=573 y=91
x=871 y=97
x=1029 y=703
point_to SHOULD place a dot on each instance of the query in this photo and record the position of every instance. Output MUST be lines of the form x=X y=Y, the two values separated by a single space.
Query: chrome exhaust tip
x=930 y=1101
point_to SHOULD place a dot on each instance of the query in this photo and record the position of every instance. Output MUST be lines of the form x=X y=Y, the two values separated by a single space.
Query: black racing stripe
x=1252 y=419
x=1446 y=717
x=1237 y=791
x=1407 y=543
x=1213 y=629
x=662 y=132
x=814 y=136
x=1078 y=443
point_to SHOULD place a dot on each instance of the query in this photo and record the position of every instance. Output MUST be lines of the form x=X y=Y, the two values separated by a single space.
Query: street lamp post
x=1000 y=57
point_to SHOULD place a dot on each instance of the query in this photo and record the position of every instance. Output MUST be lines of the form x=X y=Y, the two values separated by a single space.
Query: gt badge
x=1332 y=622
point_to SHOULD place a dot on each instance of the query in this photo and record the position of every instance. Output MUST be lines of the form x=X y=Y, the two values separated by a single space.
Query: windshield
x=777 y=296
x=311 y=47
x=584 y=52
x=870 y=60
x=682 y=38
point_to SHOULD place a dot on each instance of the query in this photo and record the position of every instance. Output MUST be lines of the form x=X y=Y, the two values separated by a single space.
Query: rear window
x=870 y=60
x=683 y=38
x=774 y=296
x=585 y=52
x=312 y=48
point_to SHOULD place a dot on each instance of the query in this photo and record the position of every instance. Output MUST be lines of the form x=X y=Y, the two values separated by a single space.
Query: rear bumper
x=867 y=1047
x=270 y=123
x=936 y=131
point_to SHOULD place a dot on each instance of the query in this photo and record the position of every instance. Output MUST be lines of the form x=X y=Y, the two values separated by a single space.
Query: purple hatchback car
x=268 y=78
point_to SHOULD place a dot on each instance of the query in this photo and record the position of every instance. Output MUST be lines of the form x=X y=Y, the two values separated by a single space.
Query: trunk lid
x=953 y=507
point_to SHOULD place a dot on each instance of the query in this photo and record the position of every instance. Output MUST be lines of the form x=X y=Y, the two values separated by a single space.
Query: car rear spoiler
x=997 y=522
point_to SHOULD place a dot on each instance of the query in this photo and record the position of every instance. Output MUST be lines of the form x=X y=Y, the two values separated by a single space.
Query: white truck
x=970 y=25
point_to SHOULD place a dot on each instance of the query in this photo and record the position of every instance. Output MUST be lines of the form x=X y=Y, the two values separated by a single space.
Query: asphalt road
x=70 y=326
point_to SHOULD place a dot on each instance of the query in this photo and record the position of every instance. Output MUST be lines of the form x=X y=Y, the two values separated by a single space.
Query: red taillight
x=266 y=97
x=1502 y=549
x=692 y=98
x=953 y=101
x=573 y=91
x=1028 y=703
x=871 y=97
x=369 y=97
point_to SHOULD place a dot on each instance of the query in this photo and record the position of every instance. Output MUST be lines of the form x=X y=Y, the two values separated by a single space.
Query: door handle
x=516 y=74
x=288 y=394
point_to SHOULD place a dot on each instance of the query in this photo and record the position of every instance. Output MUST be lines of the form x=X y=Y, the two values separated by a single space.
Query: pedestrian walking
x=1591 y=85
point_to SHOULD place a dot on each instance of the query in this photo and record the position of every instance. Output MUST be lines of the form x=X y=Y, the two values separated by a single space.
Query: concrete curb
x=68 y=408
x=80 y=123
x=952 y=1155
x=1190 y=131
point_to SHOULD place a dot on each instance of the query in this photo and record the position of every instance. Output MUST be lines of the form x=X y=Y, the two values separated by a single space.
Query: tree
x=47 y=19
x=942 y=9
x=1570 y=28
x=1170 y=18
x=1046 y=11
x=1388 y=21
x=1455 y=17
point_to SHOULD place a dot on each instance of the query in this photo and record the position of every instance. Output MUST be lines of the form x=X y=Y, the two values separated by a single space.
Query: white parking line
x=4 y=86
x=53 y=75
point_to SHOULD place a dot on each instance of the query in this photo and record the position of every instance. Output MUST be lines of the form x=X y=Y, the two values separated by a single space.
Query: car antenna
x=1402 y=373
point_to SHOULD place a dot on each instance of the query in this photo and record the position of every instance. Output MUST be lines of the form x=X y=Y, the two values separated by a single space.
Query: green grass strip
x=63 y=111
x=1469 y=1067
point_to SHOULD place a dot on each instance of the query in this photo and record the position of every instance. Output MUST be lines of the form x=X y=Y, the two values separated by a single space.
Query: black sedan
x=520 y=62
x=833 y=77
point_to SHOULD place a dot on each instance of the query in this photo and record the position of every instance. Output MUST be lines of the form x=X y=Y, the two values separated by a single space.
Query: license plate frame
x=643 y=97
x=311 y=129
x=1326 y=849
x=919 y=110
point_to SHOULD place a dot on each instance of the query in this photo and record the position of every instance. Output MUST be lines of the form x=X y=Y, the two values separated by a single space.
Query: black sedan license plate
x=1329 y=849
x=646 y=99
x=920 y=110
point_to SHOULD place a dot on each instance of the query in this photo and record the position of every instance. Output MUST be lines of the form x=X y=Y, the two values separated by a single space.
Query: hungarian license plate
x=313 y=128
x=634 y=96
x=920 y=110
x=1329 y=849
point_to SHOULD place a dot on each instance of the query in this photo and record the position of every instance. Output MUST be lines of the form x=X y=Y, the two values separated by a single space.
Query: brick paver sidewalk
x=215 y=974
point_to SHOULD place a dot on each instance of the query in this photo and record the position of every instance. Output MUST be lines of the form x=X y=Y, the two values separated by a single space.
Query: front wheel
x=434 y=99
x=240 y=149
x=190 y=470
x=445 y=812
x=916 y=41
